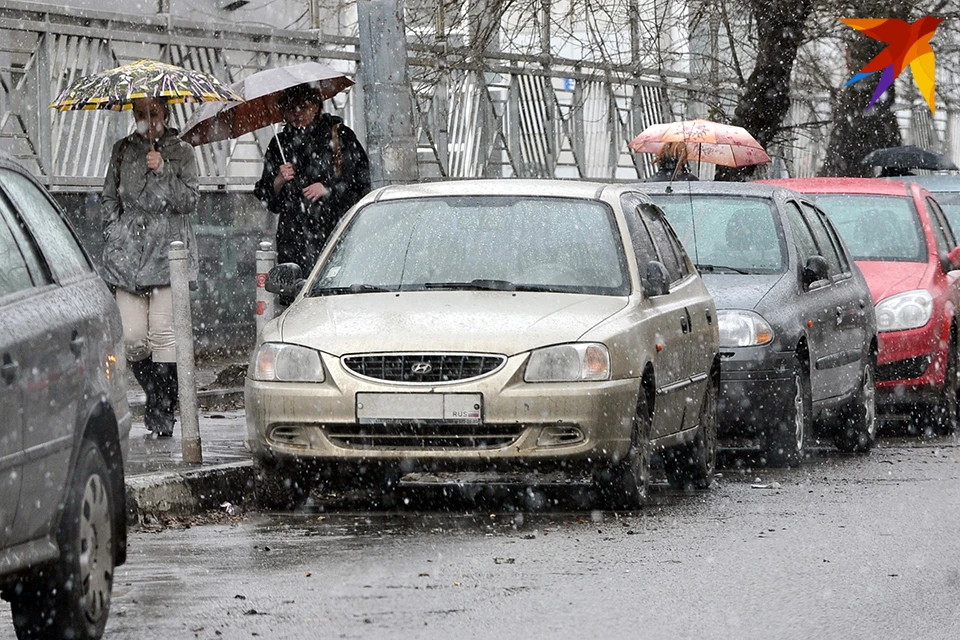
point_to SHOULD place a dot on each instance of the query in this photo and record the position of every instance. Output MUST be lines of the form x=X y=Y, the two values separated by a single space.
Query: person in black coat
x=672 y=164
x=313 y=172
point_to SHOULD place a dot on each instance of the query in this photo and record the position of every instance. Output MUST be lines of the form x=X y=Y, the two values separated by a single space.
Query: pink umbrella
x=706 y=142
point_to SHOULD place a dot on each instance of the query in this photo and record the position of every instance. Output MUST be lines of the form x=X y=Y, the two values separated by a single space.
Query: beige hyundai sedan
x=489 y=324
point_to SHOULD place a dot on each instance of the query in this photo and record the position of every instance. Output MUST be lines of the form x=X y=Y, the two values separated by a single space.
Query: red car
x=907 y=251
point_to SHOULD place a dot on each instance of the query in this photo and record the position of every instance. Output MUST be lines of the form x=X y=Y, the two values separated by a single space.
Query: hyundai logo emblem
x=421 y=368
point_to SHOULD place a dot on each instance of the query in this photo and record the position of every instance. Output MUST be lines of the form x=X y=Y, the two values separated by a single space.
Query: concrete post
x=391 y=143
x=266 y=308
x=183 y=331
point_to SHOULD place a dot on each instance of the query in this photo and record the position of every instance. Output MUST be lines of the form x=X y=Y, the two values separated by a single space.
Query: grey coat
x=155 y=211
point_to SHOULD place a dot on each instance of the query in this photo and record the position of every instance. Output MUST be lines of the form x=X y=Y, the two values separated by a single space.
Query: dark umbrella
x=260 y=91
x=908 y=157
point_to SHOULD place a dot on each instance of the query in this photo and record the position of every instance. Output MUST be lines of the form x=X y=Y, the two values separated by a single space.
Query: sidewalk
x=159 y=484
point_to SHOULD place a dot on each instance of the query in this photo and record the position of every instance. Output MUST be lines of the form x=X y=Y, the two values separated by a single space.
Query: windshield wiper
x=719 y=267
x=478 y=284
x=353 y=288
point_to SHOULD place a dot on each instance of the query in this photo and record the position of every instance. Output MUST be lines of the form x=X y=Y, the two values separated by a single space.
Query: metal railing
x=477 y=115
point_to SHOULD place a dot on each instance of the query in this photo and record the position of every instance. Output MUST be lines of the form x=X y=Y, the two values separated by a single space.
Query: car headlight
x=287 y=363
x=743 y=329
x=907 y=310
x=569 y=363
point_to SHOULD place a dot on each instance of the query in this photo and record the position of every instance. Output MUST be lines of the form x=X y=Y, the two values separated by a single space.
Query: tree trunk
x=766 y=100
x=857 y=130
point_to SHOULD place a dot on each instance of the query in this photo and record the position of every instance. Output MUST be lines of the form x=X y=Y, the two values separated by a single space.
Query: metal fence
x=495 y=114
x=505 y=114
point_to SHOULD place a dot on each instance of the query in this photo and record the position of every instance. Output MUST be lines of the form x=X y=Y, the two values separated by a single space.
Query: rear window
x=879 y=228
x=735 y=233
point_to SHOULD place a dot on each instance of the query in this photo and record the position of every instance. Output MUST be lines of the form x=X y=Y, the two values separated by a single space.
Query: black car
x=798 y=336
x=64 y=421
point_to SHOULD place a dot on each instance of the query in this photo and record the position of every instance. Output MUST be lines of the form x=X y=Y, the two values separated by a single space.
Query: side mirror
x=657 y=282
x=285 y=280
x=815 y=270
x=951 y=261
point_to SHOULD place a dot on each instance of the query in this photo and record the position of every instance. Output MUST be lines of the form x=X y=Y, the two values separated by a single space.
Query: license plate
x=464 y=408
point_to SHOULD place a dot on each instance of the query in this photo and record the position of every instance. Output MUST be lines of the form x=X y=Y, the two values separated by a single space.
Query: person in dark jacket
x=313 y=172
x=672 y=164
x=148 y=196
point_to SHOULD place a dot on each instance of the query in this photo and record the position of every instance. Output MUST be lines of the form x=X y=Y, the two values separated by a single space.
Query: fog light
x=559 y=436
x=290 y=436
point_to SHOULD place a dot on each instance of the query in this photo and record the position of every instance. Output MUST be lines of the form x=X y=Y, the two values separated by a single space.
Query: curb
x=180 y=494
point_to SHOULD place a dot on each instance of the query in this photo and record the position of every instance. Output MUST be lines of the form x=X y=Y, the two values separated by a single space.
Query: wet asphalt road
x=844 y=547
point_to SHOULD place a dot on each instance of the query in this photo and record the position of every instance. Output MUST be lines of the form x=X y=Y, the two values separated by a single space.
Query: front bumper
x=911 y=364
x=519 y=422
x=756 y=385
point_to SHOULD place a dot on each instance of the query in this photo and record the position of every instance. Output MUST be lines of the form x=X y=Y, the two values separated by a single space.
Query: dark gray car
x=64 y=421
x=797 y=328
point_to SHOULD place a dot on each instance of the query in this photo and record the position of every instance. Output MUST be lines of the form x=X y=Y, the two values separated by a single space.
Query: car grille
x=420 y=436
x=903 y=369
x=425 y=368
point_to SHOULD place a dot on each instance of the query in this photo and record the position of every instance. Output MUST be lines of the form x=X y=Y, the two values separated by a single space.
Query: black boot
x=169 y=393
x=145 y=371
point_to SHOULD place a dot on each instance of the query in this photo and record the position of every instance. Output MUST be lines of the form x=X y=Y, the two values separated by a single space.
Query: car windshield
x=478 y=242
x=727 y=233
x=880 y=228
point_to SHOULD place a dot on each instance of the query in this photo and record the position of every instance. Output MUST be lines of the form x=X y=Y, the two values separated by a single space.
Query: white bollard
x=266 y=301
x=183 y=332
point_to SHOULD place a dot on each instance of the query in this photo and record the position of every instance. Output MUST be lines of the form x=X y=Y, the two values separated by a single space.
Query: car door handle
x=76 y=343
x=10 y=369
x=684 y=324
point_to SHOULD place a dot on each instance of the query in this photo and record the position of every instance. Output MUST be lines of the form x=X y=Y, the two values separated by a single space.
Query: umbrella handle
x=276 y=134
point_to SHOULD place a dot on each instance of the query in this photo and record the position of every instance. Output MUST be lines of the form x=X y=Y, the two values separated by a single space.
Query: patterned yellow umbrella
x=117 y=88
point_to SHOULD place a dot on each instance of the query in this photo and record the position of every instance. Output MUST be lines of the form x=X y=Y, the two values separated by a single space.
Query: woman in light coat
x=148 y=196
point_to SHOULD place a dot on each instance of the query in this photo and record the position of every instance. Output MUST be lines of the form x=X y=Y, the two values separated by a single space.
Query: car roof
x=933 y=183
x=496 y=187
x=877 y=186
x=8 y=161
x=755 y=189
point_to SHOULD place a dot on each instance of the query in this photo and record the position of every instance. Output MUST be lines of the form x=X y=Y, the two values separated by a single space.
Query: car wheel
x=623 y=485
x=280 y=486
x=857 y=430
x=786 y=439
x=691 y=466
x=71 y=599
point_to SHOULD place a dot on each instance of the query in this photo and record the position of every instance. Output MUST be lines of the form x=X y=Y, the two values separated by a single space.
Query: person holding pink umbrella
x=672 y=164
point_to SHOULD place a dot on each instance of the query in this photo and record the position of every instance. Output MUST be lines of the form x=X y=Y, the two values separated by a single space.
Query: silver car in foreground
x=64 y=422
x=544 y=325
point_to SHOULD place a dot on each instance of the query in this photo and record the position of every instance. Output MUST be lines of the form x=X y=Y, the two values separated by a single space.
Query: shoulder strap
x=337 y=149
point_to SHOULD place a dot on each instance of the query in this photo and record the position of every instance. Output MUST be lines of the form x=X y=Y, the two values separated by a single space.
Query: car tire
x=857 y=430
x=280 y=486
x=71 y=599
x=623 y=485
x=692 y=465
x=785 y=440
